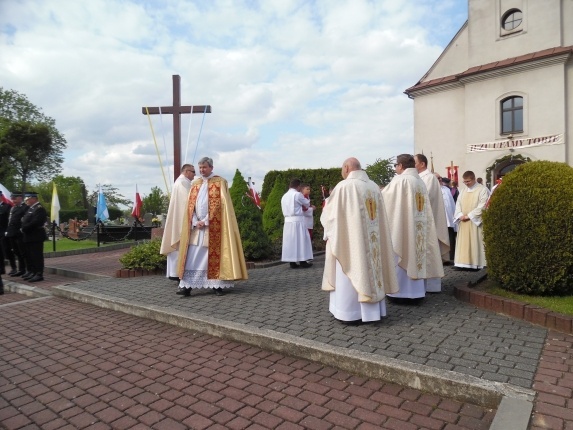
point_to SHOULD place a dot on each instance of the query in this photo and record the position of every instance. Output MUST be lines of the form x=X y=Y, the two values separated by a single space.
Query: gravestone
x=147 y=220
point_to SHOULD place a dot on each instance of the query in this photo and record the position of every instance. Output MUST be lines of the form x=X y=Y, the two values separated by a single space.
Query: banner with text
x=516 y=143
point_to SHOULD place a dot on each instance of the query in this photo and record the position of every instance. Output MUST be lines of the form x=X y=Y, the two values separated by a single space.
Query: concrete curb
x=436 y=381
x=74 y=274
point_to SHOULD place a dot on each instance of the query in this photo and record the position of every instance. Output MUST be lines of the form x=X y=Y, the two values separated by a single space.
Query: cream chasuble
x=174 y=223
x=412 y=226
x=470 y=251
x=356 y=227
x=438 y=211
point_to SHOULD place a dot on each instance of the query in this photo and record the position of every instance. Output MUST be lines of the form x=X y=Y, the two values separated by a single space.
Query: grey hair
x=206 y=160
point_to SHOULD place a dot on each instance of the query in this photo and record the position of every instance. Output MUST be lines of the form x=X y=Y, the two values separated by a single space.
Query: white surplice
x=296 y=240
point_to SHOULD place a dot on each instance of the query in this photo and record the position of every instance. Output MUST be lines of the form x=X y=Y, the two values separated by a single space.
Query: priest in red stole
x=211 y=252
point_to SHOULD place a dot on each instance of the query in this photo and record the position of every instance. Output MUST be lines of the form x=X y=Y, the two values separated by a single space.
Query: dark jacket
x=4 y=216
x=33 y=224
x=15 y=220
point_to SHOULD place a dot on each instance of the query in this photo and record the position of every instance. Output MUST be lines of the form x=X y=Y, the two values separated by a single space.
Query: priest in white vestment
x=413 y=230
x=434 y=285
x=359 y=263
x=297 y=247
x=450 y=207
x=174 y=220
x=211 y=253
x=470 y=251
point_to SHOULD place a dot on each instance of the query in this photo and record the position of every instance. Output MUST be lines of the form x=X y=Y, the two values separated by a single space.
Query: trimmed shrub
x=144 y=256
x=256 y=244
x=273 y=219
x=528 y=230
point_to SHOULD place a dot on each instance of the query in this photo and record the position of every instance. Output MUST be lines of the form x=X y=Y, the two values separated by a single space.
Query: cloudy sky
x=292 y=83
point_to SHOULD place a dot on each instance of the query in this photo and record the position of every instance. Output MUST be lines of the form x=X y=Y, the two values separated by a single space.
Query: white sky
x=292 y=83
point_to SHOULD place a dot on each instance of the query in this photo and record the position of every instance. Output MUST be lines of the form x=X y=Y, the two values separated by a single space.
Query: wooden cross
x=176 y=110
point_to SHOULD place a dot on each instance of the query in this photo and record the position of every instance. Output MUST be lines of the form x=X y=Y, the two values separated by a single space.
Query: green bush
x=528 y=230
x=273 y=219
x=256 y=244
x=144 y=256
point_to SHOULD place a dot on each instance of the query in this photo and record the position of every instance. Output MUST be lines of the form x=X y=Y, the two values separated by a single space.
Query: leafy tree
x=72 y=192
x=273 y=219
x=30 y=145
x=381 y=172
x=156 y=202
x=112 y=197
x=256 y=244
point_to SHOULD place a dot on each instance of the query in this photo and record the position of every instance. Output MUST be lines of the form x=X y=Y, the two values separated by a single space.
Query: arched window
x=512 y=115
x=511 y=19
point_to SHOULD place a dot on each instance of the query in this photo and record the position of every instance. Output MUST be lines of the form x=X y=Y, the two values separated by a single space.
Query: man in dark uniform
x=34 y=236
x=4 y=215
x=14 y=236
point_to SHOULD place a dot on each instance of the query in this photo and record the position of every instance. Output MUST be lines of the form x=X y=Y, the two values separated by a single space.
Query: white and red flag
x=253 y=195
x=137 y=204
x=6 y=195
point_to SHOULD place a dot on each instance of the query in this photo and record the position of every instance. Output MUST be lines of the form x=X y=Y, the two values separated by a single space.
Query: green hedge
x=528 y=230
x=144 y=256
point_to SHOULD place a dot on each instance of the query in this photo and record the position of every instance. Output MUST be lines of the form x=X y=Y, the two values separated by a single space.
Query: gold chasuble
x=356 y=226
x=412 y=226
x=226 y=259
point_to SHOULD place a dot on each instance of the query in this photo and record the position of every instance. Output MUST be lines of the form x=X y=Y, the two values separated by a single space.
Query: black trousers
x=8 y=252
x=452 y=235
x=35 y=256
x=16 y=245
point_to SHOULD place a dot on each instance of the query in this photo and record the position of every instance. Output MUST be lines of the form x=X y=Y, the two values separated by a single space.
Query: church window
x=512 y=19
x=512 y=115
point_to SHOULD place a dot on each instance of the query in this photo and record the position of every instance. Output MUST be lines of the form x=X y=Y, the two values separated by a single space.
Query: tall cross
x=176 y=110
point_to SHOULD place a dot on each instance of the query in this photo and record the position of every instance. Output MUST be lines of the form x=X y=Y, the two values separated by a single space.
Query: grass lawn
x=559 y=304
x=68 y=245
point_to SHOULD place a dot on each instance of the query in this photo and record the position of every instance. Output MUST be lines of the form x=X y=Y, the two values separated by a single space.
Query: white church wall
x=453 y=60
x=541 y=29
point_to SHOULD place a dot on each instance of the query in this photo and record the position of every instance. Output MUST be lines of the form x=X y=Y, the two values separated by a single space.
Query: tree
x=30 y=145
x=256 y=244
x=71 y=192
x=273 y=219
x=381 y=172
x=156 y=202
x=112 y=196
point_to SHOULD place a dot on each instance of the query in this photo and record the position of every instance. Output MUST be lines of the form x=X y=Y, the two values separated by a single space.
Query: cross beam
x=176 y=110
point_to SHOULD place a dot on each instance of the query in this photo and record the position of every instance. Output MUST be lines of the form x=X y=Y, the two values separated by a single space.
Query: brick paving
x=68 y=365
x=439 y=332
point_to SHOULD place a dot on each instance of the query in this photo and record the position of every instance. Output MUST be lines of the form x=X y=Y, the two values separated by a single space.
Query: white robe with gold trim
x=359 y=262
x=413 y=233
x=470 y=251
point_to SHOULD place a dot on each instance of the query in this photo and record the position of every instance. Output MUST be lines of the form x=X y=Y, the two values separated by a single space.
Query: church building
x=501 y=93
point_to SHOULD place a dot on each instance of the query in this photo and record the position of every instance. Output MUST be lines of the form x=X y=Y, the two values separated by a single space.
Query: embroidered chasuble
x=470 y=251
x=226 y=260
x=412 y=226
x=438 y=211
x=358 y=234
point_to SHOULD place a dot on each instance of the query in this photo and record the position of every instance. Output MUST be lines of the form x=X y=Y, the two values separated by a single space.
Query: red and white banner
x=6 y=195
x=137 y=204
x=253 y=195
x=500 y=145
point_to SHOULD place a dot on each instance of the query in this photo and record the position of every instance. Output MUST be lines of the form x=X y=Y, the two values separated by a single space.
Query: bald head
x=350 y=165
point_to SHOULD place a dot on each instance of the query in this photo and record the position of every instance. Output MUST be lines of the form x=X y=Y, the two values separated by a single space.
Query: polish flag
x=253 y=195
x=137 y=204
x=6 y=195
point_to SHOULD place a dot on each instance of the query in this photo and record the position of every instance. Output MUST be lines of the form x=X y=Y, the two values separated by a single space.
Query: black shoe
x=1 y=287
x=305 y=265
x=219 y=292
x=13 y=272
x=174 y=278
x=181 y=291
x=186 y=292
x=294 y=266
x=37 y=278
x=18 y=273
x=28 y=275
